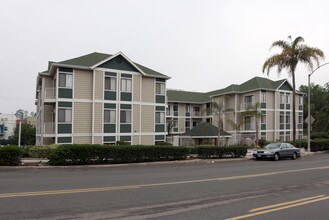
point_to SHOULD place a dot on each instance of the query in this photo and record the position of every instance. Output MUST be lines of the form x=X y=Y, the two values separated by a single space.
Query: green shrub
x=207 y=152
x=98 y=154
x=163 y=144
x=316 y=145
x=320 y=134
x=263 y=143
x=41 y=151
x=10 y=156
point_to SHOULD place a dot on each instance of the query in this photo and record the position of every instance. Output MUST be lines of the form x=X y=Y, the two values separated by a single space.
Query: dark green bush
x=316 y=145
x=207 y=152
x=40 y=151
x=263 y=143
x=10 y=156
x=98 y=154
x=320 y=134
x=163 y=144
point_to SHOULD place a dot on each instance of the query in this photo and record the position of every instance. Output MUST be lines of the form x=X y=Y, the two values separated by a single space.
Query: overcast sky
x=203 y=45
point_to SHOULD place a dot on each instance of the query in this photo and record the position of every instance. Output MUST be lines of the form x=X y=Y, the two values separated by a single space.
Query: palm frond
x=281 y=44
x=297 y=40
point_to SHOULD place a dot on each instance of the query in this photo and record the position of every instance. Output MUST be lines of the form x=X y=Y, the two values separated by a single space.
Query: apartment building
x=186 y=110
x=100 y=99
x=7 y=125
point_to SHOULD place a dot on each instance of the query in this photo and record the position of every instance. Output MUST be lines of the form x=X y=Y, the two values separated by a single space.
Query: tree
x=217 y=110
x=254 y=111
x=27 y=135
x=237 y=126
x=292 y=53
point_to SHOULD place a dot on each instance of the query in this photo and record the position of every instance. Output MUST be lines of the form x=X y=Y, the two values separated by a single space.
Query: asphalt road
x=245 y=189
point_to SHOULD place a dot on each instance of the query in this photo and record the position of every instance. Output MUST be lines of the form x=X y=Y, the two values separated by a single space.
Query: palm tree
x=292 y=53
x=254 y=111
x=237 y=126
x=217 y=110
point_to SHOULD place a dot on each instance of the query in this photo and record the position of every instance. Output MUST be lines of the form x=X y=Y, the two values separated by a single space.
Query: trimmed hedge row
x=10 y=156
x=208 y=152
x=41 y=151
x=316 y=145
x=99 y=154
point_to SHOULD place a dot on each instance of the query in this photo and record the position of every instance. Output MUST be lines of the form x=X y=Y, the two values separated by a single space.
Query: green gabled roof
x=205 y=129
x=88 y=60
x=185 y=96
x=255 y=83
x=92 y=59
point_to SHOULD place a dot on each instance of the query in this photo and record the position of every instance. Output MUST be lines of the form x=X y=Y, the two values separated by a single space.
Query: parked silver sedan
x=276 y=151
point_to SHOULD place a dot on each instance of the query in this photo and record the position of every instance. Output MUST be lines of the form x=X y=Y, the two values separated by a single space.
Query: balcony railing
x=49 y=93
x=49 y=128
x=249 y=126
x=245 y=105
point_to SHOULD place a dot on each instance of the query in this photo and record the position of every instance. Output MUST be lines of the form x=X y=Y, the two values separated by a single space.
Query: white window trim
x=125 y=123
x=66 y=73
x=131 y=84
x=111 y=77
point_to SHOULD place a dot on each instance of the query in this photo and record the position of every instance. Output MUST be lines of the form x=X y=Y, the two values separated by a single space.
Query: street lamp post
x=309 y=107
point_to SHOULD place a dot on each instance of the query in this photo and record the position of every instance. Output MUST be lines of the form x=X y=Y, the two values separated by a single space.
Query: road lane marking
x=113 y=188
x=285 y=203
x=278 y=209
x=69 y=191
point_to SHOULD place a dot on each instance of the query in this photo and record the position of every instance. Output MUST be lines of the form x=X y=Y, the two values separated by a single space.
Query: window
x=160 y=89
x=125 y=85
x=281 y=98
x=110 y=83
x=247 y=124
x=288 y=98
x=247 y=101
x=159 y=117
x=263 y=119
x=125 y=116
x=281 y=119
x=187 y=108
x=187 y=123
x=300 y=119
x=263 y=97
x=110 y=116
x=287 y=119
x=196 y=111
x=300 y=100
x=65 y=80
x=65 y=115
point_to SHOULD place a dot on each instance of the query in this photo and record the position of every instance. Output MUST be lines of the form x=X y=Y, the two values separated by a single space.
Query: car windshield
x=273 y=146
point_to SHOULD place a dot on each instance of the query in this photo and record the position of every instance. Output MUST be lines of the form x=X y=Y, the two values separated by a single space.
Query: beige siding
x=98 y=140
x=83 y=84
x=181 y=124
x=48 y=113
x=48 y=81
x=98 y=122
x=270 y=120
x=230 y=101
x=82 y=140
x=99 y=84
x=135 y=140
x=270 y=136
x=270 y=100
x=147 y=139
x=82 y=117
x=147 y=89
x=136 y=118
x=181 y=110
x=147 y=119
x=136 y=88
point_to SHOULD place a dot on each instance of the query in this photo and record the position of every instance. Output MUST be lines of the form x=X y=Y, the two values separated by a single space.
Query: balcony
x=245 y=105
x=49 y=128
x=49 y=94
x=249 y=127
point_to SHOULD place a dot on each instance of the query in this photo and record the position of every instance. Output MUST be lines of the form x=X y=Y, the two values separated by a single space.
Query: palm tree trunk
x=218 y=138
x=293 y=109
x=256 y=123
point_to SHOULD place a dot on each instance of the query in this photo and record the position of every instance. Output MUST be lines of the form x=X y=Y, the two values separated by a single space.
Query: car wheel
x=294 y=156
x=276 y=157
